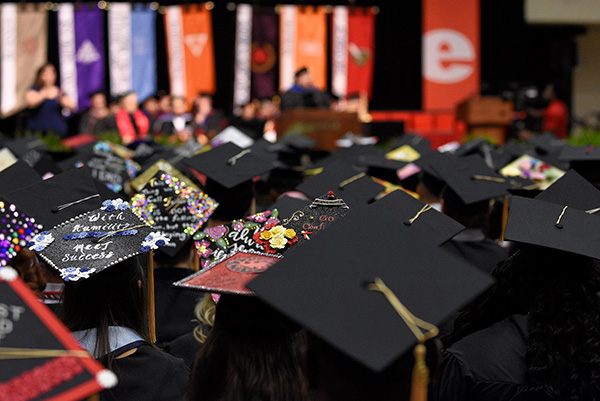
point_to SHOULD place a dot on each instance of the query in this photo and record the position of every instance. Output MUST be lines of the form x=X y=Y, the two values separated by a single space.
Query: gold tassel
x=504 y=217
x=420 y=378
x=94 y=397
x=151 y=307
x=196 y=261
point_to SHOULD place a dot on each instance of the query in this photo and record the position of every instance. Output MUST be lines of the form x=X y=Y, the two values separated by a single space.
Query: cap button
x=559 y=226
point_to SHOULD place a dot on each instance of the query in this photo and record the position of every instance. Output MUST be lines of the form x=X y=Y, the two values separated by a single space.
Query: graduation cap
x=354 y=187
x=287 y=205
x=472 y=146
x=59 y=198
x=540 y=172
x=298 y=142
x=232 y=134
x=230 y=273
x=40 y=359
x=417 y=142
x=546 y=143
x=85 y=245
x=405 y=153
x=16 y=230
x=17 y=176
x=160 y=165
x=353 y=289
x=572 y=190
x=471 y=179
x=390 y=170
x=22 y=146
x=6 y=158
x=355 y=154
x=229 y=165
x=174 y=208
x=551 y=225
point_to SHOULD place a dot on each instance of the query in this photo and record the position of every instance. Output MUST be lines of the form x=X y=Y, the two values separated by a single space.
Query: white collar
x=118 y=337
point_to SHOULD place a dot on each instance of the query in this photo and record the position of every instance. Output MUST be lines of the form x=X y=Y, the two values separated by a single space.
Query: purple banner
x=89 y=53
x=264 y=53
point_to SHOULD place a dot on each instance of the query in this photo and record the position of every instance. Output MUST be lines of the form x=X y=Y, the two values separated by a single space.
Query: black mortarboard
x=472 y=179
x=16 y=230
x=355 y=153
x=547 y=143
x=21 y=146
x=174 y=208
x=427 y=162
x=572 y=190
x=585 y=160
x=287 y=205
x=229 y=165
x=232 y=134
x=472 y=146
x=325 y=285
x=87 y=244
x=230 y=272
x=354 y=187
x=420 y=144
x=266 y=150
x=298 y=142
x=17 y=176
x=59 y=198
x=381 y=167
x=551 y=225
x=40 y=359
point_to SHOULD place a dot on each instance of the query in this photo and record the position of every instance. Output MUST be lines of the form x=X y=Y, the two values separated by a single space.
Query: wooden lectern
x=486 y=117
x=322 y=125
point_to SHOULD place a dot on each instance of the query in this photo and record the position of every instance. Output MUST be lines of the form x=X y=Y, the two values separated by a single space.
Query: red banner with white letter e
x=451 y=52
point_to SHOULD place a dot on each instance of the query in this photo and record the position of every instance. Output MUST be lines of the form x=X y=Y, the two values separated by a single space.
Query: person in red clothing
x=556 y=114
x=132 y=123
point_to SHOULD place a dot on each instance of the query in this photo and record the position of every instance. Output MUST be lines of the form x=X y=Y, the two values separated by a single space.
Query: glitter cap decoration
x=16 y=230
x=87 y=244
x=39 y=357
x=526 y=166
x=173 y=207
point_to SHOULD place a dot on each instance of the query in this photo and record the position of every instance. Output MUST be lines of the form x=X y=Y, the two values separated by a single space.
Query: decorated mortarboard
x=472 y=179
x=420 y=144
x=93 y=241
x=354 y=187
x=163 y=166
x=16 y=230
x=404 y=153
x=234 y=135
x=547 y=143
x=229 y=165
x=354 y=284
x=287 y=205
x=39 y=357
x=17 y=176
x=7 y=158
x=573 y=190
x=230 y=272
x=173 y=207
x=552 y=225
x=540 y=172
x=59 y=198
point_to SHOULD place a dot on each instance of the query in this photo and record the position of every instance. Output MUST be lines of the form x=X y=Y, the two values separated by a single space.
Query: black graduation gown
x=148 y=374
x=185 y=347
x=488 y=365
x=311 y=98
x=174 y=306
x=473 y=246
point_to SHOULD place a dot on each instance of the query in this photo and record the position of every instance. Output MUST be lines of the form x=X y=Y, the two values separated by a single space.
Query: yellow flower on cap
x=266 y=235
x=278 y=242
x=277 y=230
x=289 y=233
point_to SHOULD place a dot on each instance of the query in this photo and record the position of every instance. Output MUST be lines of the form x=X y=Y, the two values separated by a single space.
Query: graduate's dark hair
x=558 y=290
x=249 y=356
x=113 y=297
x=38 y=75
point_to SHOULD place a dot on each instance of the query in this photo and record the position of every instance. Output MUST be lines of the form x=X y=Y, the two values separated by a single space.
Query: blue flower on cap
x=45 y=233
x=123 y=206
x=146 y=248
x=160 y=242
x=110 y=208
x=107 y=203
x=148 y=238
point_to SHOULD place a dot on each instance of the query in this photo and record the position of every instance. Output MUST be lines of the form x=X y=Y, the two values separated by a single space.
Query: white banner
x=66 y=50
x=176 y=53
x=119 y=46
x=8 y=53
x=243 y=54
x=287 y=46
x=339 y=52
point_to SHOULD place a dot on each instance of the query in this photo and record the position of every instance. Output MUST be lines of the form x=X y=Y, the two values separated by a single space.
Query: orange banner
x=199 y=51
x=451 y=52
x=311 y=43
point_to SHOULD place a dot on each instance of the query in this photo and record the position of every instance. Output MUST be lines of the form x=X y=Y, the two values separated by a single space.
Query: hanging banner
x=132 y=49
x=190 y=50
x=243 y=49
x=23 y=50
x=143 y=51
x=81 y=52
x=451 y=52
x=361 y=51
x=339 y=51
x=264 y=53
x=303 y=43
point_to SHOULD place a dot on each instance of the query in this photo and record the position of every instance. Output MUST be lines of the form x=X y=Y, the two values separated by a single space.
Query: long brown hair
x=38 y=75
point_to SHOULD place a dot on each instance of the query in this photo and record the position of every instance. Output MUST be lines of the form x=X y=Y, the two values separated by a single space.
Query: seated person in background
x=151 y=108
x=131 y=123
x=207 y=121
x=556 y=114
x=303 y=94
x=247 y=121
x=176 y=123
x=97 y=112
